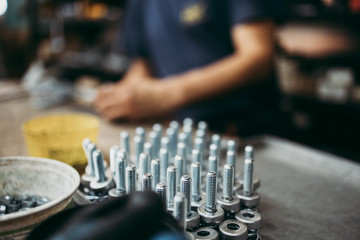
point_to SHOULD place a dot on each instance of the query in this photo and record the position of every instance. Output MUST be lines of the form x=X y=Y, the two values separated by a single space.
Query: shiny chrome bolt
x=130 y=179
x=179 y=163
x=125 y=142
x=180 y=210
x=164 y=164
x=146 y=182
x=210 y=192
x=226 y=200
x=112 y=157
x=160 y=190
x=155 y=172
x=171 y=184
x=213 y=164
x=155 y=142
x=139 y=148
x=196 y=198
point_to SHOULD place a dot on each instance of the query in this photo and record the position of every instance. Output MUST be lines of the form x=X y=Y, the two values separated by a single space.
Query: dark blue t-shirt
x=178 y=35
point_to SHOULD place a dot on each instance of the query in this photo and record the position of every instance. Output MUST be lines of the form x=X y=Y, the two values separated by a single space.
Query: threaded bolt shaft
x=231 y=160
x=160 y=190
x=249 y=152
x=185 y=188
x=157 y=127
x=248 y=176
x=180 y=210
x=165 y=142
x=130 y=179
x=155 y=172
x=172 y=136
x=213 y=164
x=146 y=182
x=199 y=145
x=231 y=145
x=195 y=155
x=164 y=163
x=120 y=174
x=228 y=182
x=179 y=163
x=125 y=142
x=195 y=183
x=91 y=148
x=210 y=201
x=99 y=166
x=139 y=148
x=148 y=148
x=140 y=131
x=155 y=142
x=143 y=167
x=171 y=184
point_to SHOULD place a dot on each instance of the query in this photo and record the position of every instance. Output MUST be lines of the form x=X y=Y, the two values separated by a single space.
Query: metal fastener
x=102 y=182
x=171 y=184
x=209 y=213
x=206 y=233
x=180 y=210
x=164 y=163
x=231 y=160
x=160 y=190
x=252 y=219
x=233 y=229
x=155 y=172
x=192 y=218
x=139 y=148
x=197 y=198
x=114 y=149
x=179 y=163
x=146 y=182
x=226 y=200
x=148 y=148
x=155 y=143
x=125 y=142
x=143 y=167
x=120 y=189
x=130 y=179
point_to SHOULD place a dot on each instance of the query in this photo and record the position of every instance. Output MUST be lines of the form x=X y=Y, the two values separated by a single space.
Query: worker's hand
x=136 y=99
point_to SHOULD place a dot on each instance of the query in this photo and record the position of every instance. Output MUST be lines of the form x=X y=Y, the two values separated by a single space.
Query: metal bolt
x=200 y=134
x=139 y=148
x=175 y=125
x=99 y=166
x=196 y=196
x=165 y=143
x=188 y=122
x=213 y=164
x=181 y=150
x=122 y=153
x=130 y=179
x=120 y=174
x=215 y=151
x=172 y=134
x=180 y=210
x=231 y=145
x=113 y=155
x=196 y=156
x=160 y=190
x=179 y=163
x=140 y=131
x=157 y=127
x=146 y=182
x=91 y=148
x=216 y=139
x=210 y=192
x=125 y=142
x=143 y=167
x=249 y=152
x=248 y=176
x=202 y=125
x=171 y=184
x=199 y=145
x=155 y=172
x=226 y=199
x=155 y=142
x=231 y=160
x=185 y=188
x=148 y=148
x=164 y=163
x=188 y=132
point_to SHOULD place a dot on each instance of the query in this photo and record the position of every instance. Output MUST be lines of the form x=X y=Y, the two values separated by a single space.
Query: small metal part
x=143 y=167
x=179 y=164
x=249 y=152
x=164 y=163
x=231 y=146
x=120 y=188
x=213 y=163
x=155 y=172
x=209 y=213
x=189 y=236
x=157 y=127
x=192 y=218
x=226 y=200
x=171 y=184
x=248 y=198
x=180 y=210
x=231 y=160
x=125 y=142
x=216 y=139
x=181 y=150
x=206 y=233
x=122 y=154
x=139 y=148
x=130 y=179
x=146 y=182
x=197 y=198
x=256 y=183
x=188 y=122
x=252 y=219
x=114 y=149
x=172 y=136
x=154 y=139
x=195 y=156
x=199 y=145
x=165 y=143
x=160 y=190
x=148 y=148
x=202 y=125
x=102 y=182
x=200 y=134
x=89 y=174
x=140 y=131
x=233 y=229
x=187 y=129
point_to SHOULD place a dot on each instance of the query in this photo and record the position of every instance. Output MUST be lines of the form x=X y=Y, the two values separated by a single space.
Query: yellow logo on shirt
x=193 y=13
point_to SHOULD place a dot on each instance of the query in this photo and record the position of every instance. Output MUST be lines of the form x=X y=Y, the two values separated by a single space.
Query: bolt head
x=233 y=229
x=211 y=219
x=228 y=205
x=248 y=201
x=249 y=217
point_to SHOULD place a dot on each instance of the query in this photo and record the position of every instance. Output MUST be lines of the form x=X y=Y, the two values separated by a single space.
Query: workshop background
x=67 y=47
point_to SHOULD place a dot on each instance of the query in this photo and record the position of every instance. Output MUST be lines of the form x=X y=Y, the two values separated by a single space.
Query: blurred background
x=58 y=51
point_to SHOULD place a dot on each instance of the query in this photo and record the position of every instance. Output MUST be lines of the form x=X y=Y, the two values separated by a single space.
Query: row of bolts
x=183 y=195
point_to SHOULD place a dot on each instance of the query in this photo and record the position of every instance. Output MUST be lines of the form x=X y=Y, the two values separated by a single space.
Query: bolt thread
x=160 y=190
x=228 y=182
x=146 y=182
x=148 y=148
x=179 y=164
x=112 y=158
x=172 y=136
x=165 y=143
x=155 y=142
x=139 y=148
x=248 y=177
x=231 y=160
x=143 y=166
x=140 y=131
x=213 y=164
x=99 y=166
x=164 y=163
x=185 y=188
x=125 y=142
x=249 y=152
x=171 y=184
x=195 y=183
x=180 y=210
x=91 y=148
x=155 y=172
x=210 y=201
x=199 y=145
x=158 y=129
x=130 y=179
x=120 y=174
x=196 y=156
x=216 y=139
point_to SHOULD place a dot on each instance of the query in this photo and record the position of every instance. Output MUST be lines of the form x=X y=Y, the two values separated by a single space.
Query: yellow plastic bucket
x=60 y=137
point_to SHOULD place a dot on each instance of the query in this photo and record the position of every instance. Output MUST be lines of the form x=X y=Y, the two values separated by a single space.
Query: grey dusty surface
x=305 y=193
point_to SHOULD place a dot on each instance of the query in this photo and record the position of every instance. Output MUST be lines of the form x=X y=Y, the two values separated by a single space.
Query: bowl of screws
x=31 y=190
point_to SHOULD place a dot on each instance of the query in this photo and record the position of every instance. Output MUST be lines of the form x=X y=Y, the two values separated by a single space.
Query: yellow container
x=60 y=137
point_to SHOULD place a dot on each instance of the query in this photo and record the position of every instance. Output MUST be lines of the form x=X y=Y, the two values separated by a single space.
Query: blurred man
x=205 y=59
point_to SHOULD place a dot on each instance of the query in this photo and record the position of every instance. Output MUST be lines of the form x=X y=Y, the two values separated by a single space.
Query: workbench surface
x=305 y=193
